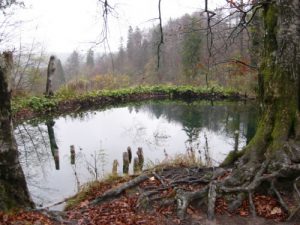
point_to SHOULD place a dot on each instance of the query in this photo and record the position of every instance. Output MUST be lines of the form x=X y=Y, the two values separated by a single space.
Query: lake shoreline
x=29 y=108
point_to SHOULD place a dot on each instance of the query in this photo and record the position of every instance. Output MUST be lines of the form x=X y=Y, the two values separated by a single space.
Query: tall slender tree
x=90 y=59
x=73 y=65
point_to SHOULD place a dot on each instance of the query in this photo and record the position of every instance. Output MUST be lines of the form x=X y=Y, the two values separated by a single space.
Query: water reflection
x=54 y=148
x=92 y=144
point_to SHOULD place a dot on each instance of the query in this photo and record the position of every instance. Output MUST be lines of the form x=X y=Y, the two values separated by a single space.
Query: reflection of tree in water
x=139 y=135
x=202 y=116
x=137 y=131
x=53 y=145
x=39 y=155
x=224 y=117
x=160 y=137
x=33 y=145
x=35 y=156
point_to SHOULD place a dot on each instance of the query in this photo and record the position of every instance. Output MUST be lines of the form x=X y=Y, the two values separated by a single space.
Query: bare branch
x=161 y=41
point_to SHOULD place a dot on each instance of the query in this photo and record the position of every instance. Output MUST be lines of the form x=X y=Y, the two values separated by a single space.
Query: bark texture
x=13 y=187
x=280 y=71
x=50 y=75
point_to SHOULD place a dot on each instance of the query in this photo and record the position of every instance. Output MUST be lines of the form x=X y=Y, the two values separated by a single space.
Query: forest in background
x=187 y=56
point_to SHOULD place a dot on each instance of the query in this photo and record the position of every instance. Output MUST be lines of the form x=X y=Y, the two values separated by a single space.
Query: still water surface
x=162 y=128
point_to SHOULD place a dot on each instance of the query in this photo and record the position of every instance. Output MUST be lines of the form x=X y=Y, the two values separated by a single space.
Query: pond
x=163 y=129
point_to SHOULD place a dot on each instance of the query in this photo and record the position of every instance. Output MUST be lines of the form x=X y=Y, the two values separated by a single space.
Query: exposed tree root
x=113 y=193
x=280 y=199
x=296 y=187
x=297 y=210
x=189 y=187
x=212 y=196
x=252 y=206
x=185 y=198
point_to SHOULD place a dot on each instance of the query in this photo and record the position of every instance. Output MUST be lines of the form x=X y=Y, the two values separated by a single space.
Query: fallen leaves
x=125 y=209
x=122 y=210
x=265 y=206
x=23 y=217
x=118 y=211
x=268 y=207
x=221 y=206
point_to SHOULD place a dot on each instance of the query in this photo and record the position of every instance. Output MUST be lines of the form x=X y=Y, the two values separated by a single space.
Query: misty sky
x=67 y=25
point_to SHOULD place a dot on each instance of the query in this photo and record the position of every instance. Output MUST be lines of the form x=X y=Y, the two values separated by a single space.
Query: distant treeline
x=190 y=54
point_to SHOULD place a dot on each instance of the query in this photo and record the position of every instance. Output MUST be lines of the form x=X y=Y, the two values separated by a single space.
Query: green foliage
x=42 y=104
x=65 y=92
x=38 y=103
x=35 y=103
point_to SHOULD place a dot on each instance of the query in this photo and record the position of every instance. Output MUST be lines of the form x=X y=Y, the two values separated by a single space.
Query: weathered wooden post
x=13 y=188
x=115 y=167
x=140 y=155
x=72 y=151
x=208 y=160
x=129 y=154
x=125 y=163
x=236 y=140
x=136 y=165
x=50 y=74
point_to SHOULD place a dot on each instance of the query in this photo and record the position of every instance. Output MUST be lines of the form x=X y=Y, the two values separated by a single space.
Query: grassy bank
x=66 y=101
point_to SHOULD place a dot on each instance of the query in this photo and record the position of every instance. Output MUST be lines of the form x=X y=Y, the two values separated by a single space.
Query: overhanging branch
x=161 y=41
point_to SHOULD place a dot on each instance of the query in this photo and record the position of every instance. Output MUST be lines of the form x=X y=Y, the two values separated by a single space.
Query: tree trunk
x=13 y=188
x=273 y=155
x=241 y=38
x=275 y=147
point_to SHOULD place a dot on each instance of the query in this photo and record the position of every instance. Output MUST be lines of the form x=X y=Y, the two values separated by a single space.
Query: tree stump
x=136 y=165
x=140 y=155
x=115 y=167
x=129 y=154
x=72 y=151
x=50 y=74
x=125 y=163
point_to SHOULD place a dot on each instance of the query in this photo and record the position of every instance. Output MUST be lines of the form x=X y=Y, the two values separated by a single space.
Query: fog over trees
x=248 y=47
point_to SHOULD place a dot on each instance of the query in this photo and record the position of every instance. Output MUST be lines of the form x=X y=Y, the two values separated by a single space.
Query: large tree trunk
x=280 y=81
x=278 y=127
x=273 y=155
x=13 y=188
